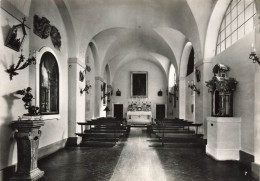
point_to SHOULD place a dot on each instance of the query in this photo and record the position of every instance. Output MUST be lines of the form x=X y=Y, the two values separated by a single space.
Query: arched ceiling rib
x=122 y=59
x=175 y=39
x=137 y=40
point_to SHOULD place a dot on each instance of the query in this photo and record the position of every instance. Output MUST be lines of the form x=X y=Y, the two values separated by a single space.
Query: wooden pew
x=173 y=129
x=103 y=130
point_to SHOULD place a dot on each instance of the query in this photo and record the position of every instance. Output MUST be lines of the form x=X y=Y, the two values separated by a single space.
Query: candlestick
x=252 y=48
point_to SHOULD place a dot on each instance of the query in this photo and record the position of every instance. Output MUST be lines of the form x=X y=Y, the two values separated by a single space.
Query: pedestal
x=27 y=136
x=223 y=138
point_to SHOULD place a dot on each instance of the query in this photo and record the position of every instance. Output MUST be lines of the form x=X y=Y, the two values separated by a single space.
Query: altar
x=139 y=112
x=139 y=117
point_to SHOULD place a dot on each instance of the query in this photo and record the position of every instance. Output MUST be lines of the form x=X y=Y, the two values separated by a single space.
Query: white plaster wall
x=90 y=98
x=54 y=130
x=156 y=81
x=242 y=68
x=11 y=106
x=203 y=101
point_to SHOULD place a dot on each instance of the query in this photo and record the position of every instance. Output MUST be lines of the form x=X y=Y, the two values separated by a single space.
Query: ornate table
x=27 y=135
x=139 y=117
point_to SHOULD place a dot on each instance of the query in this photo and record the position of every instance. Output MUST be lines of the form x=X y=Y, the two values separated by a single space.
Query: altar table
x=139 y=117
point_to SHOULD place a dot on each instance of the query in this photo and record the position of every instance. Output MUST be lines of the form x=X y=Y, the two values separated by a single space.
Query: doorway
x=118 y=111
x=160 y=111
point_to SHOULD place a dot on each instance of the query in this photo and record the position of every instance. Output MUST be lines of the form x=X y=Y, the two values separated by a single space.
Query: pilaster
x=202 y=100
x=182 y=98
x=76 y=99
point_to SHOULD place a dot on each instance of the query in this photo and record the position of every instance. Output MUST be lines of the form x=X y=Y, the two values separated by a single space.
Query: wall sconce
x=13 y=68
x=87 y=87
x=118 y=93
x=81 y=73
x=110 y=93
x=253 y=55
x=193 y=87
x=160 y=93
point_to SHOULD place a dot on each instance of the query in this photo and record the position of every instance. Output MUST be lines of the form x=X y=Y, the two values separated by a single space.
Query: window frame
x=234 y=5
x=58 y=86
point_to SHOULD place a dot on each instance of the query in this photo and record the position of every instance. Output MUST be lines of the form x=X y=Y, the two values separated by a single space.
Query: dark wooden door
x=118 y=111
x=160 y=111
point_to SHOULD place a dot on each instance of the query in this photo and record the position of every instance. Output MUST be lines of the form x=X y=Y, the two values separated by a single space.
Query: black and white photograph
x=130 y=90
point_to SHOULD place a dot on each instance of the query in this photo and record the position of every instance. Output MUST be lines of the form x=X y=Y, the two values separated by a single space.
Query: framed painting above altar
x=139 y=84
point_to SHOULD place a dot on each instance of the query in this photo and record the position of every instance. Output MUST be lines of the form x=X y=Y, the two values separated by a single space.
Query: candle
x=252 y=48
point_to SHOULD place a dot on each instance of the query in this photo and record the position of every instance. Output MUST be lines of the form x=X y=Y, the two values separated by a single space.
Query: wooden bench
x=169 y=129
x=103 y=130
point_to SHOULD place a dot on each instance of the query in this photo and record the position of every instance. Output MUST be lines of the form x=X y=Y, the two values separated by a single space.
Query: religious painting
x=139 y=84
x=16 y=36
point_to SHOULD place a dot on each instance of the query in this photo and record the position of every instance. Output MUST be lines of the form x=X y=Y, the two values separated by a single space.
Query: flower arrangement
x=27 y=99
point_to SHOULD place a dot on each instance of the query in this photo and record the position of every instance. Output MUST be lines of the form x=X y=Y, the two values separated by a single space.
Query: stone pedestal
x=27 y=136
x=224 y=137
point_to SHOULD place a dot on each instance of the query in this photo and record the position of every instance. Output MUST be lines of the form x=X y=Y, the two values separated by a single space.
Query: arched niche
x=35 y=78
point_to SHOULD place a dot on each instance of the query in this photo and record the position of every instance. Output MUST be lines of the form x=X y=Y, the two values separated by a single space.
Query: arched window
x=49 y=84
x=172 y=77
x=190 y=66
x=237 y=22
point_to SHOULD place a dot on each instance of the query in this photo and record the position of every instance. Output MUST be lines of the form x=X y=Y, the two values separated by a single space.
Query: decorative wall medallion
x=41 y=26
x=55 y=37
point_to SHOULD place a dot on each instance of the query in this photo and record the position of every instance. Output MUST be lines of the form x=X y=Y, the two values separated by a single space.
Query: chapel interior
x=133 y=90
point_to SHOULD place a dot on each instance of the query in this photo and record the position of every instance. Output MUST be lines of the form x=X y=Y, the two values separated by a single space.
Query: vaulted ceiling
x=140 y=29
x=123 y=30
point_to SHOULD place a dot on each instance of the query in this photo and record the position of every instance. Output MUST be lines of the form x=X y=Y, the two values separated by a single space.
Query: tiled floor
x=138 y=160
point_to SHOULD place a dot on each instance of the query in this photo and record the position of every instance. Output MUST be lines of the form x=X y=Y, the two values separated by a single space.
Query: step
x=100 y=139
x=179 y=135
x=104 y=131
x=174 y=131
x=99 y=135
x=97 y=144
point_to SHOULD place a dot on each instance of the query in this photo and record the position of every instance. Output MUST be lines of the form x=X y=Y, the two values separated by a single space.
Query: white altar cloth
x=139 y=117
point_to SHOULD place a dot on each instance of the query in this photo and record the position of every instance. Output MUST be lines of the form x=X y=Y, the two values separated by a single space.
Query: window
x=49 y=84
x=190 y=66
x=237 y=22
